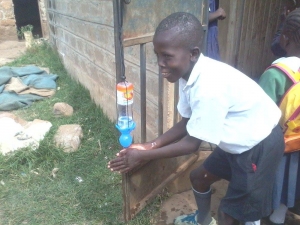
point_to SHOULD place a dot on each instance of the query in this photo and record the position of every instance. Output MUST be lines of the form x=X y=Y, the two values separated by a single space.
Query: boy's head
x=290 y=36
x=177 y=44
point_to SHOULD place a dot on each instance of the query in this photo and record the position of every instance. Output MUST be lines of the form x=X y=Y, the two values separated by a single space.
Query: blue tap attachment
x=126 y=139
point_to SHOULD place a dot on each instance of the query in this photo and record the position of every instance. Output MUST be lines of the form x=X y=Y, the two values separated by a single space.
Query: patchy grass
x=30 y=195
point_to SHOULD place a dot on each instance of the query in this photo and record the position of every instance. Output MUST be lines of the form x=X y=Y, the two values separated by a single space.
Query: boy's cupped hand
x=126 y=160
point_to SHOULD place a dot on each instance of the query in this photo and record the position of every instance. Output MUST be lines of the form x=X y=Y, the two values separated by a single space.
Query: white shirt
x=226 y=107
x=292 y=62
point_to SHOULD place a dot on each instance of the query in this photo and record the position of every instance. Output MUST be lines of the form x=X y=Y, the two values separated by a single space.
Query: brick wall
x=8 y=30
x=83 y=33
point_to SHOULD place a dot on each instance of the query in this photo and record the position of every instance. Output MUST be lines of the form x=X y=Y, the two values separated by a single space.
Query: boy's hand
x=222 y=14
x=126 y=160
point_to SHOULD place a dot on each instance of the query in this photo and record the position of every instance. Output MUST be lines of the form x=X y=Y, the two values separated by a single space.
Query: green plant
x=24 y=29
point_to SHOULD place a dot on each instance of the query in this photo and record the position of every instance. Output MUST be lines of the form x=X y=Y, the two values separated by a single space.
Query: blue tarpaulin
x=36 y=85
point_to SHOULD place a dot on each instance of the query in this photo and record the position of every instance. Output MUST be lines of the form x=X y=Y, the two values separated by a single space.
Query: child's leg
x=278 y=215
x=201 y=180
x=249 y=193
x=203 y=204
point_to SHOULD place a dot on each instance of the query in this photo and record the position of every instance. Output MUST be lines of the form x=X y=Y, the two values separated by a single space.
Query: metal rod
x=119 y=57
x=118 y=42
x=143 y=91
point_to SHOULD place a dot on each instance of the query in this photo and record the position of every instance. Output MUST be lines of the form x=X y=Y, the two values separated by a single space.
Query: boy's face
x=174 y=59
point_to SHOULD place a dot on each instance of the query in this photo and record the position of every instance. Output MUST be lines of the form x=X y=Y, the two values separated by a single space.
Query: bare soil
x=184 y=203
x=10 y=50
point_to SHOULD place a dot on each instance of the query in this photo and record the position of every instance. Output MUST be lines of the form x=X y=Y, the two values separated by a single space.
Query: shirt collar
x=196 y=70
x=292 y=62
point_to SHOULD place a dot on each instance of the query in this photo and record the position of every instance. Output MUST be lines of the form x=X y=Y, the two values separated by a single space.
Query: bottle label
x=125 y=97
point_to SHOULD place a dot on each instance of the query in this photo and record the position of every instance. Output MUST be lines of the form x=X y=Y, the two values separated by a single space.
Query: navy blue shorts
x=251 y=177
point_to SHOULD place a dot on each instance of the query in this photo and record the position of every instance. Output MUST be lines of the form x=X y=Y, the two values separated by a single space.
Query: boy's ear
x=195 y=53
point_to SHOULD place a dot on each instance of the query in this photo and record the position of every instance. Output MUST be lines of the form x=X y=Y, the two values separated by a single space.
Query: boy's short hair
x=188 y=26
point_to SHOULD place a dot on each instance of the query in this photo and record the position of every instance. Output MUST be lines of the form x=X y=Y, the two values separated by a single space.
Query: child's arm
x=129 y=158
x=175 y=133
x=219 y=14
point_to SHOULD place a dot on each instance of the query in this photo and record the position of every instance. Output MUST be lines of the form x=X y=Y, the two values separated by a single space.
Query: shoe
x=190 y=219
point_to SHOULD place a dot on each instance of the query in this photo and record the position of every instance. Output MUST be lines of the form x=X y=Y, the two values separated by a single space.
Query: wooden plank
x=142 y=185
x=138 y=40
x=258 y=33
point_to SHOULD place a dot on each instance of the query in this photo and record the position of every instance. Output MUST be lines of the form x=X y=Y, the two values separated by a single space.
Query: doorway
x=27 y=12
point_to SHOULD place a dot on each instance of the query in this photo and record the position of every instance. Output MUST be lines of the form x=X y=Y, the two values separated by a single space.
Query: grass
x=30 y=195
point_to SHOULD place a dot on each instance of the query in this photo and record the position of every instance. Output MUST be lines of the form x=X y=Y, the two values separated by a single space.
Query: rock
x=62 y=109
x=14 y=117
x=14 y=135
x=68 y=137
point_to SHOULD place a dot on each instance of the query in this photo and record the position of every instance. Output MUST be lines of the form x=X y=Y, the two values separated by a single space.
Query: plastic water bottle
x=125 y=104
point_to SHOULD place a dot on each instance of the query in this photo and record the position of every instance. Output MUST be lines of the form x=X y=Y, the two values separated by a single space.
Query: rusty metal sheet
x=141 y=17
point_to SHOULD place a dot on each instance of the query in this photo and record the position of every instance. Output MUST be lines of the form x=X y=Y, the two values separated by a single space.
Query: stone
x=7 y=5
x=68 y=137
x=8 y=23
x=14 y=117
x=16 y=133
x=62 y=109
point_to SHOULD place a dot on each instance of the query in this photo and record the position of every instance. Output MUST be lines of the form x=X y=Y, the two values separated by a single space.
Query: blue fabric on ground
x=12 y=101
x=31 y=76
x=40 y=81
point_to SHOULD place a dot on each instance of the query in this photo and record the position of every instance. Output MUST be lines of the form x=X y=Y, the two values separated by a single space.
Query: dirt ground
x=177 y=204
x=9 y=50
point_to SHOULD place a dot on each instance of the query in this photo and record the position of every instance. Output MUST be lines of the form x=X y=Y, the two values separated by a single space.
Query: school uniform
x=212 y=47
x=287 y=184
x=228 y=109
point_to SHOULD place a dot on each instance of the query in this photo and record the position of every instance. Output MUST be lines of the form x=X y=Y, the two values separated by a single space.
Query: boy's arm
x=129 y=158
x=175 y=133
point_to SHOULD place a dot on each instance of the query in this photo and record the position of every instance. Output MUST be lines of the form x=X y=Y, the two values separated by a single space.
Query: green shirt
x=275 y=83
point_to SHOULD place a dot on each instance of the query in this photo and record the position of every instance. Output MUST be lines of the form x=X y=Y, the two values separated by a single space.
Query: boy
x=275 y=83
x=220 y=105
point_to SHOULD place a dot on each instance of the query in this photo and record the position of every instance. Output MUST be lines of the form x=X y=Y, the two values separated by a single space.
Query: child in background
x=215 y=13
x=276 y=83
x=289 y=6
x=220 y=105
